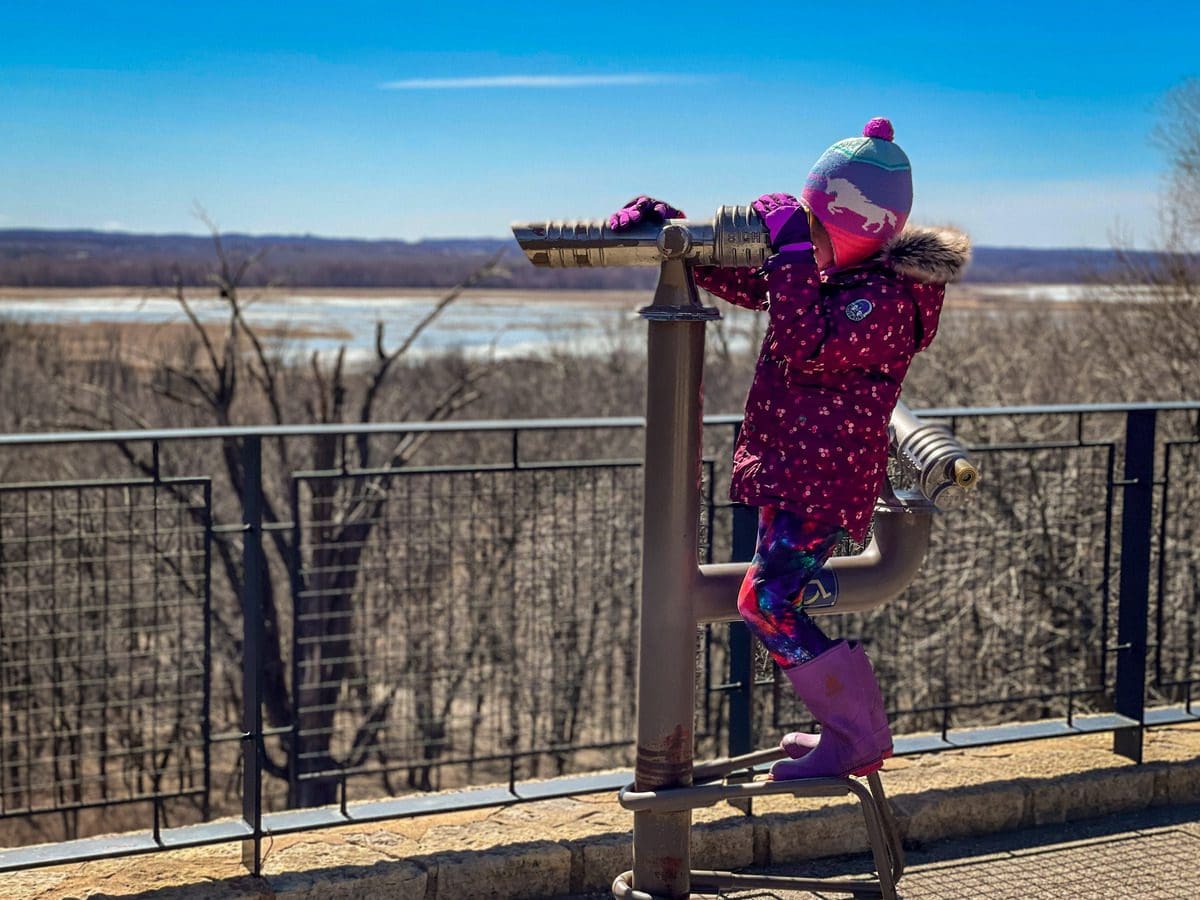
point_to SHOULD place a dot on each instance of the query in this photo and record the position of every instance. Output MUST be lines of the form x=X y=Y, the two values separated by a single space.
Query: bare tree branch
x=386 y=359
x=201 y=331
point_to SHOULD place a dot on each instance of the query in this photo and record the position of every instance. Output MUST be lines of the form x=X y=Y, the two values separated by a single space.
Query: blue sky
x=1027 y=123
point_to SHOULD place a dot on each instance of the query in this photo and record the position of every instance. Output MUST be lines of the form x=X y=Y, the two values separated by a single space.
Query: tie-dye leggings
x=791 y=549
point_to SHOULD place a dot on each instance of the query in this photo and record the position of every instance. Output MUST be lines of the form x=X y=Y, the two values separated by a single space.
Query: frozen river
x=479 y=322
x=483 y=322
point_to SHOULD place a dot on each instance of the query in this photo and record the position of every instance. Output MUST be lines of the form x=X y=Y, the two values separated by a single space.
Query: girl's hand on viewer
x=640 y=209
x=787 y=222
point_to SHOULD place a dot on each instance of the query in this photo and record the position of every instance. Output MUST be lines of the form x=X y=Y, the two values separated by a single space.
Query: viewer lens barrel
x=735 y=236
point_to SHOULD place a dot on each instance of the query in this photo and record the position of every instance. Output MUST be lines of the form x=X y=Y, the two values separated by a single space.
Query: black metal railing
x=194 y=626
x=104 y=645
x=1046 y=586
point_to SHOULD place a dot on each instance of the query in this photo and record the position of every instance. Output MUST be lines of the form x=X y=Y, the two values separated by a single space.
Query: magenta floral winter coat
x=815 y=436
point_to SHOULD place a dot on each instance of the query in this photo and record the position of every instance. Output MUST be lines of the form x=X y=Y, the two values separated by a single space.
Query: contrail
x=533 y=81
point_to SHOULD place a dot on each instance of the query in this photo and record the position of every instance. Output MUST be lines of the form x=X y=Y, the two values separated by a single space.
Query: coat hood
x=933 y=255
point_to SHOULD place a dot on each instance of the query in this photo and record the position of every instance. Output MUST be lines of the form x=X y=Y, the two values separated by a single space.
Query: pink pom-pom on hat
x=879 y=127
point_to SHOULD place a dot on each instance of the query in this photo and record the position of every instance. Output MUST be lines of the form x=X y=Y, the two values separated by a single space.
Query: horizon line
x=310 y=235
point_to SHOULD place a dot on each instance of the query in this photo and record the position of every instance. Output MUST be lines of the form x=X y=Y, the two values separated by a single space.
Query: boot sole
x=887 y=754
x=872 y=767
x=868 y=768
x=858 y=772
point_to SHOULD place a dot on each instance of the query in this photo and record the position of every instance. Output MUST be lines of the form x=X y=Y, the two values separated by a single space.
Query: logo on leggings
x=821 y=592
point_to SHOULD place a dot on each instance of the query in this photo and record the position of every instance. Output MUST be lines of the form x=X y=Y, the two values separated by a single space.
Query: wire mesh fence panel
x=104 y=601
x=474 y=626
x=491 y=615
x=1175 y=672
x=1012 y=614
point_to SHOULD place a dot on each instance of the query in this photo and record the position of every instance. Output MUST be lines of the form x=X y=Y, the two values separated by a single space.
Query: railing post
x=1134 y=600
x=252 y=674
x=741 y=647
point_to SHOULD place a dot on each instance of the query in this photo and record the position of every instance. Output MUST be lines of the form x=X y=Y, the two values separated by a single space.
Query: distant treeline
x=38 y=258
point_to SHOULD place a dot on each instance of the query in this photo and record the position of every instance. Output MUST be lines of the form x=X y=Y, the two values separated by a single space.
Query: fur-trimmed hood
x=933 y=255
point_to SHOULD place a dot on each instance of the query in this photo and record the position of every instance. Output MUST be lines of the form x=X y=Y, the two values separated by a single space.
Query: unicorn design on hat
x=844 y=196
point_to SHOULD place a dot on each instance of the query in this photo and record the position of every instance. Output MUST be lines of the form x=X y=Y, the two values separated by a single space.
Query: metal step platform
x=715 y=784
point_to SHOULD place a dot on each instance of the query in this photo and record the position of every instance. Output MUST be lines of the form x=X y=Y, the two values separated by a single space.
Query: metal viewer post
x=677 y=592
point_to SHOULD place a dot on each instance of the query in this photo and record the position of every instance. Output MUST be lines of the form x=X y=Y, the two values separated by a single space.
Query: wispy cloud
x=535 y=81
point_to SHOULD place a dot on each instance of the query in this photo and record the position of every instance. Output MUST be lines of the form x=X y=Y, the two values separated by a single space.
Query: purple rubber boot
x=799 y=743
x=840 y=690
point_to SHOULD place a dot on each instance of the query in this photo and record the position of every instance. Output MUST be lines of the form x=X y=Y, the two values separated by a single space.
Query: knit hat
x=861 y=191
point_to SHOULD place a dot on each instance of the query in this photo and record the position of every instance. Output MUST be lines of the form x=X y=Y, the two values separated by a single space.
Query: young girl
x=852 y=295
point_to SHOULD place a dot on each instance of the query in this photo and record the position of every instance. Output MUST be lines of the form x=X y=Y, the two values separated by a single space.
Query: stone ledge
x=565 y=846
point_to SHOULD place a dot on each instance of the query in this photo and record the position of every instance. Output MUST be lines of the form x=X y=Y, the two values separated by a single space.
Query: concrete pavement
x=1036 y=799
x=1152 y=853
